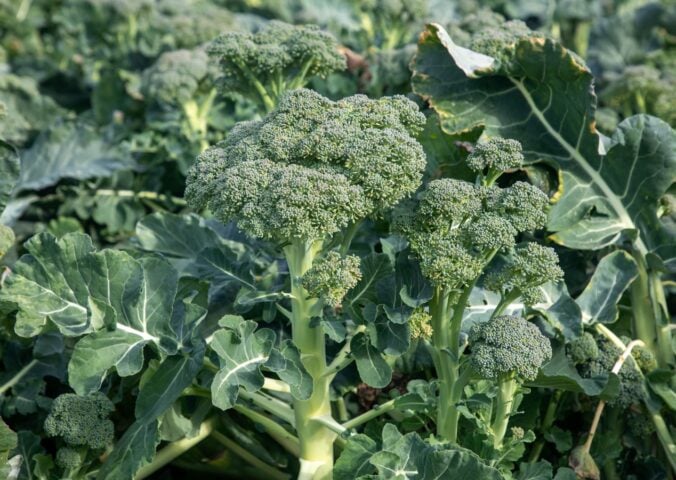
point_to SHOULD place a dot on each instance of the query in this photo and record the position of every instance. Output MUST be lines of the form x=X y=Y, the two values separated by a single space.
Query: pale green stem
x=275 y=385
x=316 y=440
x=175 y=450
x=288 y=441
x=260 y=466
x=140 y=195
x=17 y=378
x=504 y=403
x=375 y=412
x=269 y=404
x=343 y=358
x=265 y=97
x=348 y=236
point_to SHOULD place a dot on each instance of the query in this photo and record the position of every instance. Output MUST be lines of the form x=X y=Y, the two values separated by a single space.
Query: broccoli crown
x=523 y=204
x=68 y=458
x=332 y=276
x=311 y=166
x=583 y=349
x=532 y=265
x=81 y=420
x=278 y=51
x=455 y=227
x=176 y=76
x=392 y=23
x=498 y=154
x=632 y=388
x=508 y=345
x=419 y=324
x=640 y=424
x=189 y=24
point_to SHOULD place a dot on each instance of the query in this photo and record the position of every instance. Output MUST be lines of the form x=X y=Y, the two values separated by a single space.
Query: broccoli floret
x=278 y=58
x=447 y=203
x=508 y=346
x=494 y=157
x=389 y=24
x=532 y=265
x=490 y=232
x=332 y=276
x=583 y=349
x=640 y=424
x=444 y=261
x=495 y=41
x=81 y=420
x=420 y=324
x=68 y=459
x=523 y=204
x=509 y=350
x=645 y=358
x=311 y=166
x=632 y=388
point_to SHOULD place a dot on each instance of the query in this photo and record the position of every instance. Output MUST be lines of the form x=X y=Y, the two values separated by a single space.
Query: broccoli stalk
x=310 y=170
x=507 y=388
x=456 y=228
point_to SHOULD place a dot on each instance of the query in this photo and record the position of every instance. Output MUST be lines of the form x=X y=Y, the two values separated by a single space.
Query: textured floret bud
x=331 y=277
x=498 y=154
x=508 y=345
x=81 y=420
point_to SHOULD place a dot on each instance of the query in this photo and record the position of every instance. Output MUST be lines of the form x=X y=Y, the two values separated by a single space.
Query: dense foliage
x=383 y=239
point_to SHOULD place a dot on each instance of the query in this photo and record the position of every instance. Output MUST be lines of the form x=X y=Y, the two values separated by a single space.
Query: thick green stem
x=272 y=428
x=19 y=375
x=446 y=363
x=503 y=410
x=547 y=422
x=269 y=471
x=643 y=315
x=375 y=412
x=316 y=440
x=175 y=450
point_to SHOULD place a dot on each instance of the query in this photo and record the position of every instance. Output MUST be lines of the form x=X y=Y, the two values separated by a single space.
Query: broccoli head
x=494 y=157
x=279 y=57
x=523 y=204
x=507 y=346
x=583 y=349
x=495 y=41
x=176 y=77
x=68 y=459
x=331 y=277
x=420 y=324
x=81 y=420
x=532 y=265
x=389 y=24
x=644 y=358
x=312 y=166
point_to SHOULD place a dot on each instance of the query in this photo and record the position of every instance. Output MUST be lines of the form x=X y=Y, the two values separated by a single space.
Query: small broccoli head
x=311 y=166
x=81 y=420
x=640 y=424
x=176 y=77
x=490 y=232
x=583 y=349
x=444 y=260
x=508 y=345
x=446 y=203
x=420 y=324
x=497 y=40
x=495 y=156
x=531 y=265
x=68 y=459
x=277 y=58
x=523 y=204
x=389 y=24
x=331 y=277
x=644 y=358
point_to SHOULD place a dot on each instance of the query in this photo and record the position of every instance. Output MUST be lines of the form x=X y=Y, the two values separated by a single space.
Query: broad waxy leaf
x=286 y=363
x=542 y=94
x=372 y=367
x=137 y=446
x=613 y=275
x=71 y=150
x=9 y=172
x=242 y=352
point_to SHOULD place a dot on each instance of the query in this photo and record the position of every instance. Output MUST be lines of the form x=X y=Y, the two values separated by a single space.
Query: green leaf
x=560 y=309
x=519 y=96
x=9 y=172
x=354 y=461
x=286 y=363
x=242 y=353
x=71 y=150
x=6 y=239
x=374 y=268
x=8 y=442
x=613 y=275
x=541 y=470
x=372 y=367
x=143 y=304
x=135 y=449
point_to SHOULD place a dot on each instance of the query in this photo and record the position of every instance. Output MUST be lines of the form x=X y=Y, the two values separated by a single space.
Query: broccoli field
x=337 y=239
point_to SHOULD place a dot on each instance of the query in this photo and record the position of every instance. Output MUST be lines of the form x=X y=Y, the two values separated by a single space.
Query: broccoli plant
x=456 y=229
x=182 y=81
x=279 y=57
x=509 y=350
x=83 y=426
x=309 y=172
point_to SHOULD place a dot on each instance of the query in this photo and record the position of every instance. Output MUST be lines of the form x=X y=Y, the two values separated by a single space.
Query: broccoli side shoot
x=492 y=158
x=583 y=349
x=508 y=346
x=279 y=57
x=389 y=24
x=331 y=277
x=81 y=421
x=312 y=166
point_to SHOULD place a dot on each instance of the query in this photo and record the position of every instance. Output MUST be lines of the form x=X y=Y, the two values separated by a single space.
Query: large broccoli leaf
x=542 y=94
